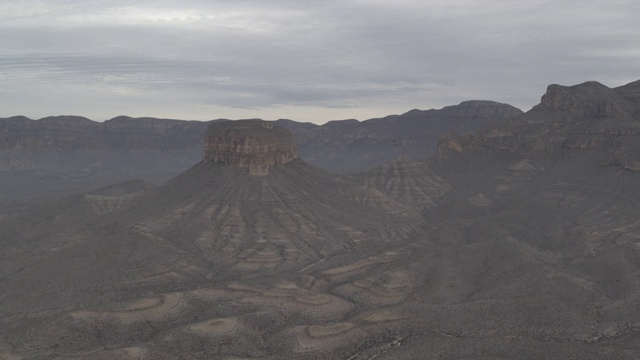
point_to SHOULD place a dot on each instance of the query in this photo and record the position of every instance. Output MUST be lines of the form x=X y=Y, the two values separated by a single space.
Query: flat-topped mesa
x=253 y=144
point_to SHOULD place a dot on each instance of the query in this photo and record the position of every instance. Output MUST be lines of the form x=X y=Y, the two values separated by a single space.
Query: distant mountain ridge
x=42 y=143
x=349 y=145
x=63 y=154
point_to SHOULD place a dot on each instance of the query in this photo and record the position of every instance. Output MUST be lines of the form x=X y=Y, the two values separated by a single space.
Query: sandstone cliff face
x=254 y=145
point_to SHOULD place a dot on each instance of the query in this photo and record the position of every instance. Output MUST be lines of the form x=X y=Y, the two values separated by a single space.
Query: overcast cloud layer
x=305 y=60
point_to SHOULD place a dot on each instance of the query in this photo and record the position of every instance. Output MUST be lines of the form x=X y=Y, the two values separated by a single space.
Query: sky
x=306 y=60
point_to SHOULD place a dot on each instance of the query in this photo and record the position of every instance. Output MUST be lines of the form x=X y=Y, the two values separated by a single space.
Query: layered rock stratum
x=252 y=144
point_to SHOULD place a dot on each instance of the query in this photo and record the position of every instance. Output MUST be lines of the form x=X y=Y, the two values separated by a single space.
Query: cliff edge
x=252 y=144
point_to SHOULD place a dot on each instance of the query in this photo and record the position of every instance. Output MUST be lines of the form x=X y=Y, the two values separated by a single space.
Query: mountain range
x=520 y=240
x=59 y=155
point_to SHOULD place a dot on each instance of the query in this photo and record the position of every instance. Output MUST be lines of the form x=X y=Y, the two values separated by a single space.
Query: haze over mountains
x=518 y=241
x=57 y=155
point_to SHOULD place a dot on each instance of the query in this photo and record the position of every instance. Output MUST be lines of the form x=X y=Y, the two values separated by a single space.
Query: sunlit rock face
x=252 y=144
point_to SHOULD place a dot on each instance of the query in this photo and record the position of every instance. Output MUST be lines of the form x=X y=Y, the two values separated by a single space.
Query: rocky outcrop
x=589 y=99
x=252 y=144
x=589 y=117
x=630 y=91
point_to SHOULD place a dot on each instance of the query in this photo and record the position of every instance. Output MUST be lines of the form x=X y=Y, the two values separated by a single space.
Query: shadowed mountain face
x=518 y=242
x=586 y=121
x=348 y=146
x=56 y=156
x=76 y=143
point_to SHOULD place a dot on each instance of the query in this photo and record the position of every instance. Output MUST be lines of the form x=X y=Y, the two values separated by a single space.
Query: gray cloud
x=312 y=60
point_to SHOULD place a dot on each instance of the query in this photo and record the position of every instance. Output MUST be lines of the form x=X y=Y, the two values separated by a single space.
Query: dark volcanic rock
x=255 y=145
